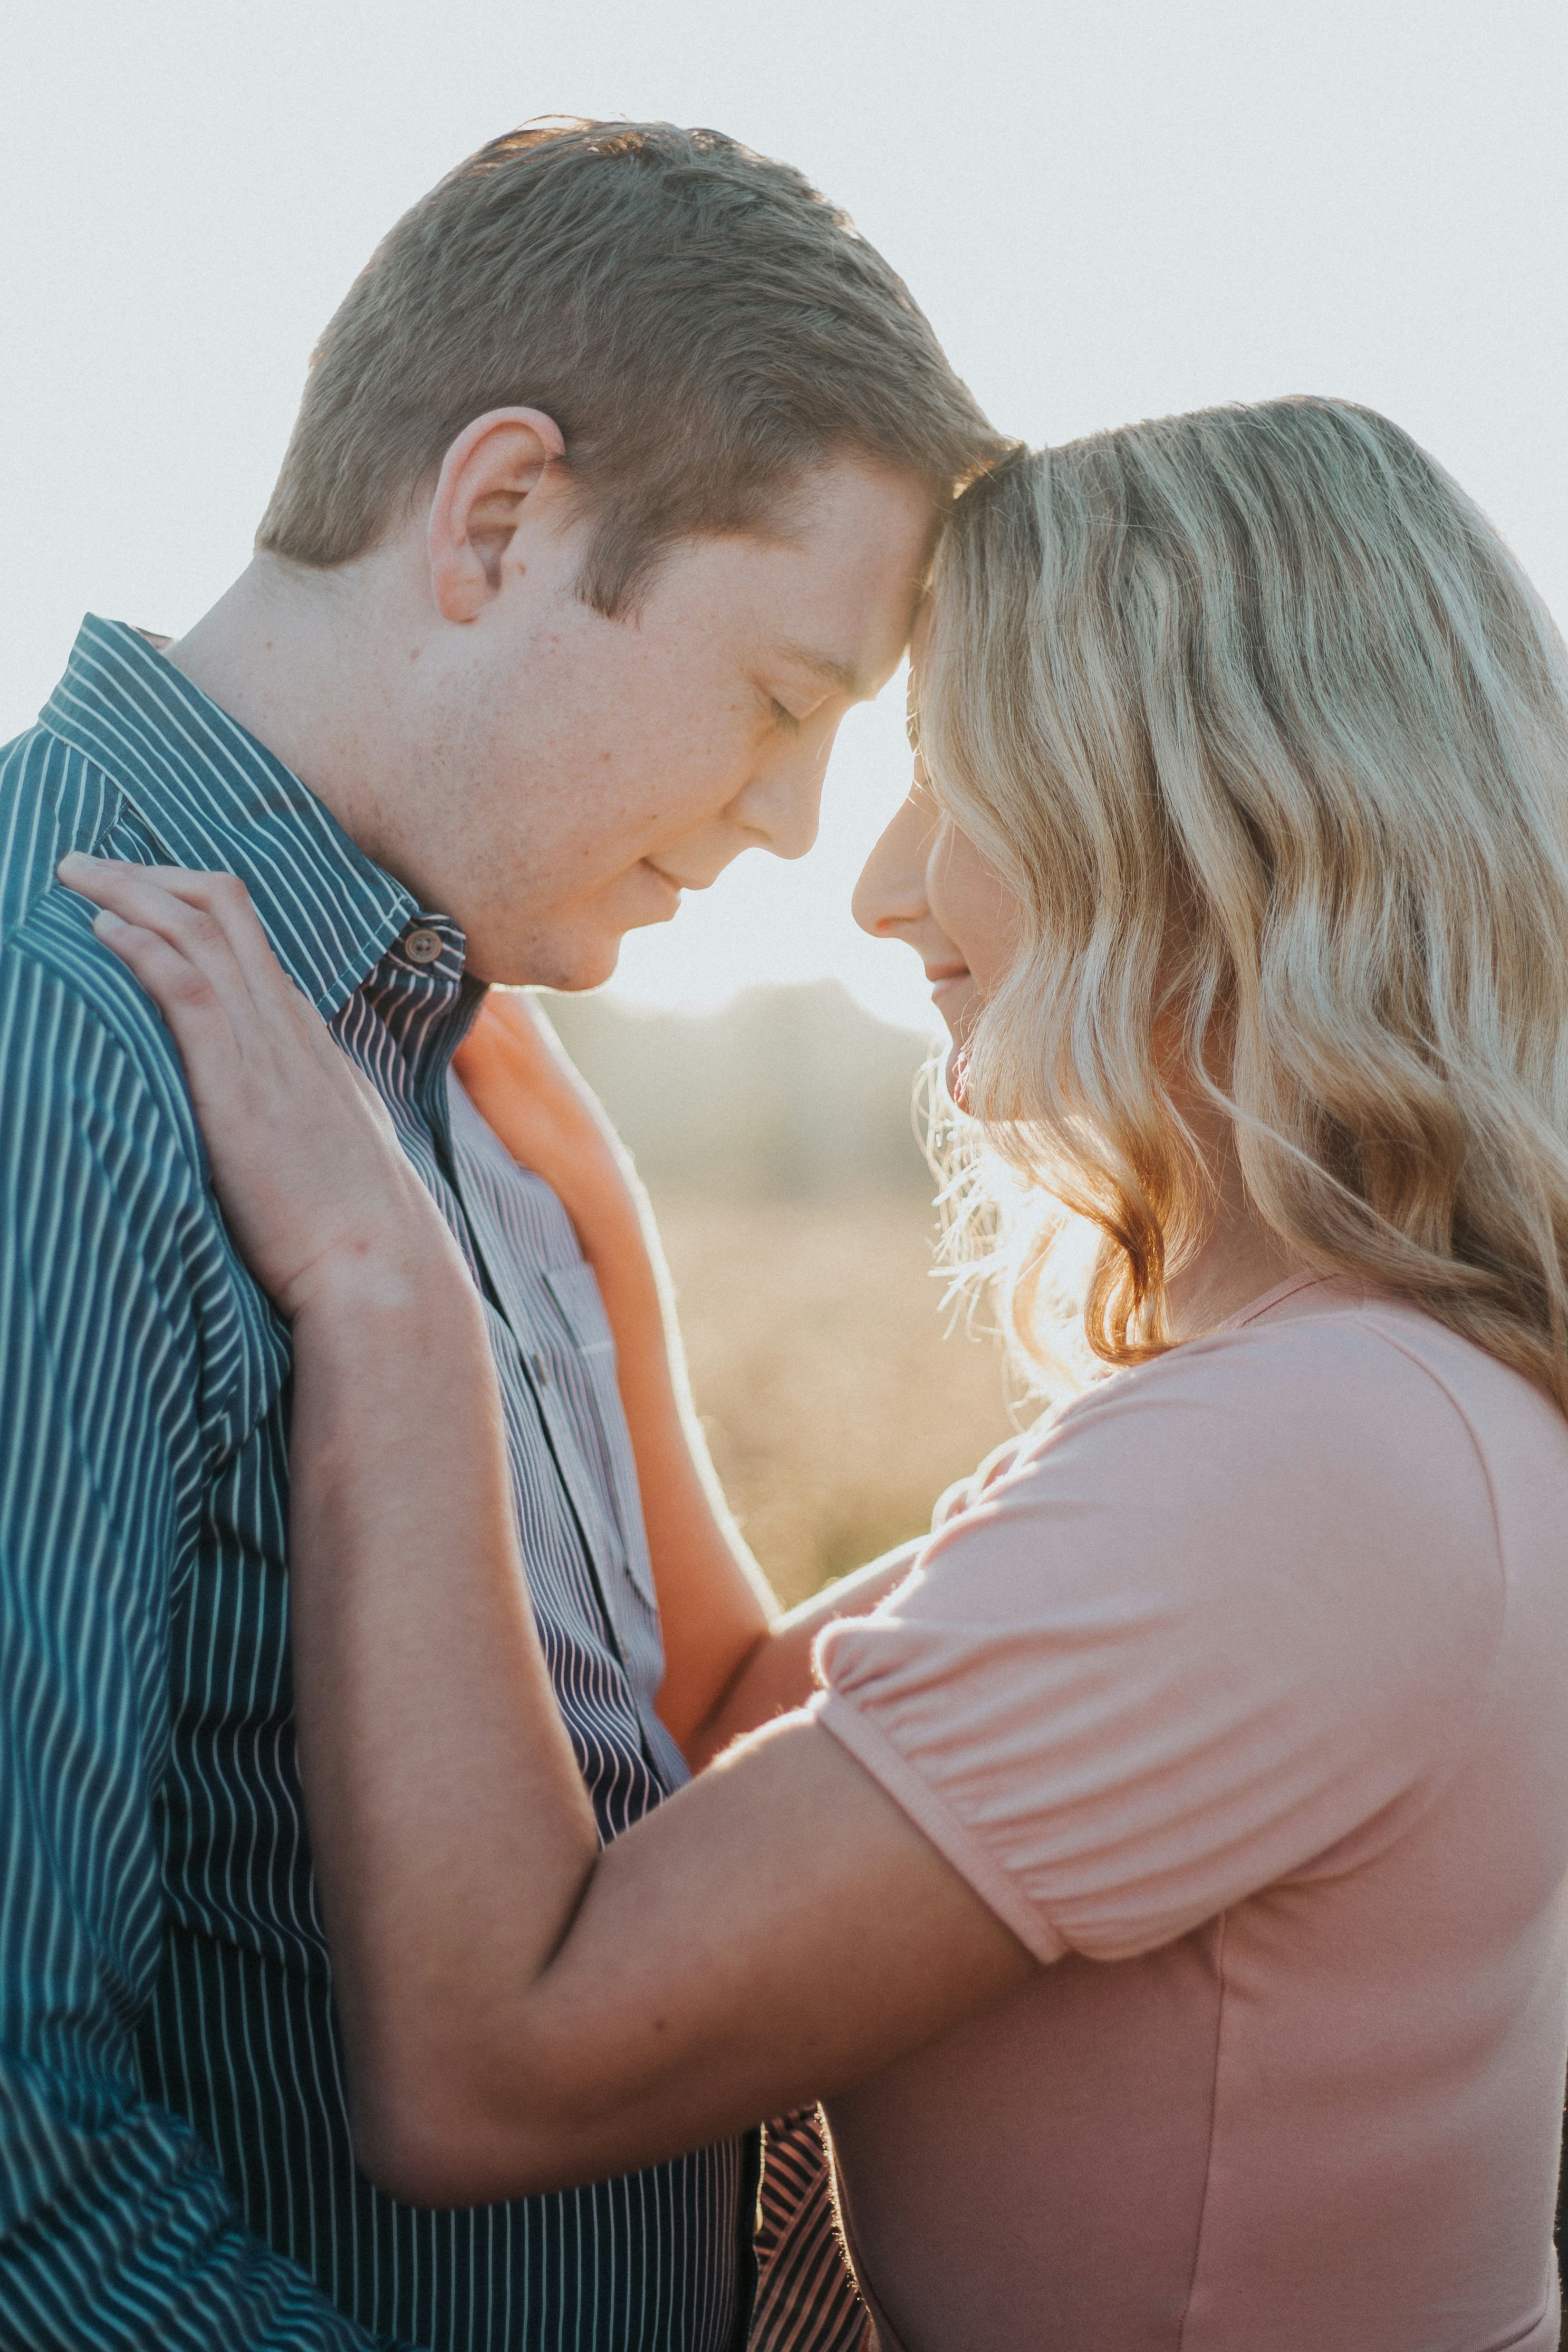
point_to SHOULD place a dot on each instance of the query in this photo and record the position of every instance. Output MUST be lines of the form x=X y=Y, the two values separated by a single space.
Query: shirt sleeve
x=1227 y=1623
x=116 y=2229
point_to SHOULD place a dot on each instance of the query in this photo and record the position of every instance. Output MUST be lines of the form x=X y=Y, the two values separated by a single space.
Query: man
x=614 y=482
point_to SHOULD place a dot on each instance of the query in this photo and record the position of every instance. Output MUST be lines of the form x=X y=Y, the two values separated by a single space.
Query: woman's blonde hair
x=1268 y=732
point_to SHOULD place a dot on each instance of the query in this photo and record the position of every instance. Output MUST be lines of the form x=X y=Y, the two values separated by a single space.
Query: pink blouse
x=1242 y=1698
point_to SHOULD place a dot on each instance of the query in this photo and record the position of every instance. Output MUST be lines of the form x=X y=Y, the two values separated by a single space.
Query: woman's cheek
x=976 y=909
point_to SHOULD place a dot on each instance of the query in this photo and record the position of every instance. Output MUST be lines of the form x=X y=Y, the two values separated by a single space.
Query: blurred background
x=778 y=1138
x=1108 y=211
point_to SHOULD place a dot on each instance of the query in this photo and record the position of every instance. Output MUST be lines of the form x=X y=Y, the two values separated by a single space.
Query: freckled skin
x=550 y=777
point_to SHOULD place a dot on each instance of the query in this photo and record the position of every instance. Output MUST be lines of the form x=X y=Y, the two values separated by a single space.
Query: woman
x=1165 y=1890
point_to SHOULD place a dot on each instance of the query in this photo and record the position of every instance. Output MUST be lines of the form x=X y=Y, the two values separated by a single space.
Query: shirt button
x=421 y=945
x=541 y=1370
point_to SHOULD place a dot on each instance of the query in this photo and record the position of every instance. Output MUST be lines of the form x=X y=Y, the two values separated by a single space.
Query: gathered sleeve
x=1229 y=1620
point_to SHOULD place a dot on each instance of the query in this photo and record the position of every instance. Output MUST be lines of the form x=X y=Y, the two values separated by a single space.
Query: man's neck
x=285 y=653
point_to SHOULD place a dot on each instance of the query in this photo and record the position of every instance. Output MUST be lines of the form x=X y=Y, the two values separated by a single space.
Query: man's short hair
x=701 y=324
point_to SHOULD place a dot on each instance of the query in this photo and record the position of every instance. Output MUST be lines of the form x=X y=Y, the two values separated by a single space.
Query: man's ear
x=494 y=465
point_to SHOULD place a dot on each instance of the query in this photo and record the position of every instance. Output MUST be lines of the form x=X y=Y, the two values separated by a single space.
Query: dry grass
x=836 y=1408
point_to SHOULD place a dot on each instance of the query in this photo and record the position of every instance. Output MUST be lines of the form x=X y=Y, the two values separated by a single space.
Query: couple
x=1158 y=1872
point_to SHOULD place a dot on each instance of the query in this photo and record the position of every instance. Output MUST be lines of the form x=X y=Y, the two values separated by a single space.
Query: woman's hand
x=522 y=1083
x=305 y=1162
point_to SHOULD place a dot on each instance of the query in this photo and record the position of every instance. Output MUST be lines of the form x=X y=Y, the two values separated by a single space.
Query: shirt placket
x=426 y=1005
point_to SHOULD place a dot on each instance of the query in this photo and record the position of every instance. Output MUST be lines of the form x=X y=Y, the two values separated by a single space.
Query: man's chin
x=569 y=966
x=577 y=954
x=588 y=962
x=591 y=973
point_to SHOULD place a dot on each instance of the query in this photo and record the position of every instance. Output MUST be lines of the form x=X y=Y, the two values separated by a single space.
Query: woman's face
x=926 y=884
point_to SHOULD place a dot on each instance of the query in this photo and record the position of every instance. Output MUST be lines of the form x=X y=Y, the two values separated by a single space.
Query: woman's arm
x=731 y=1661
x=521 y=2010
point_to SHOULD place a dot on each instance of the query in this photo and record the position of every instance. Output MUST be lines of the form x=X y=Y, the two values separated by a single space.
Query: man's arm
x=116 y=2229
x=732 y=1662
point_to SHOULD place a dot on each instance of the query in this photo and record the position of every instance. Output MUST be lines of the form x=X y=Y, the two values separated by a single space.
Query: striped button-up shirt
x=175 y=2169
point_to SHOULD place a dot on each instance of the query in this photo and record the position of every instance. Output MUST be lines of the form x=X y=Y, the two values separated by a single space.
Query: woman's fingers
x=206 y=920
x=209 y=919
x=225 y=900
x=193 y=1009
x=512 y=1061
x=512 y=1013
x=304 y=1156
x=213 y=935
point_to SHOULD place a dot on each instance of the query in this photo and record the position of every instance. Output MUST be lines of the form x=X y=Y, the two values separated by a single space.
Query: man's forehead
x=859 y=682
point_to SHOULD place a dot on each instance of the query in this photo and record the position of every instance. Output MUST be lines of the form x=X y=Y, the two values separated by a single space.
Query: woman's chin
x=954 y=1070
x=957 y=1004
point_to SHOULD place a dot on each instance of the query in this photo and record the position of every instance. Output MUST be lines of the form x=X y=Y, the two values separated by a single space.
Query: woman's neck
x=1232 y=1268
x=1239 y=1259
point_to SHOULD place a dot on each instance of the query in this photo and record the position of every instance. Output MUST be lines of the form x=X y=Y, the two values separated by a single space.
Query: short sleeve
x=1226 y=1623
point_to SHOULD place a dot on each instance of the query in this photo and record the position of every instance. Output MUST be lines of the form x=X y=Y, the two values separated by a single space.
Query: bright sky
x=1108 y=211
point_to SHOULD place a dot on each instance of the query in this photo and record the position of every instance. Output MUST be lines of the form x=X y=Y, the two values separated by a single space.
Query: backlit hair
x=700 y=323
x=1268 y=731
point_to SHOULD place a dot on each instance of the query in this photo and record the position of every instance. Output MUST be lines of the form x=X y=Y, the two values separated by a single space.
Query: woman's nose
x=890 y=892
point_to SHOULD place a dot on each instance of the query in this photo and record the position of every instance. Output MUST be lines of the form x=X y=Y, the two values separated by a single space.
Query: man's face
x=576 y=773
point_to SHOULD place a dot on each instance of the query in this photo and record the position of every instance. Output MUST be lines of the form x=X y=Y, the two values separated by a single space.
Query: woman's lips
x=945 y=981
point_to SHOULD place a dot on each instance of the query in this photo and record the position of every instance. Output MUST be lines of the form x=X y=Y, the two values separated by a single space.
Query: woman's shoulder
x=1325 y=1376
x=1285 y=1453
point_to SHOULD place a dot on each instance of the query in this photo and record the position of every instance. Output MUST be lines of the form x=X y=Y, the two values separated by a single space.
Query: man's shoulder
x=101 y=1157
x=53 y=799
x=74 y=1023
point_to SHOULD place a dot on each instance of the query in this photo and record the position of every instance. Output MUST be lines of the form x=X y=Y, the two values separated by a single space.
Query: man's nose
x=784 y=807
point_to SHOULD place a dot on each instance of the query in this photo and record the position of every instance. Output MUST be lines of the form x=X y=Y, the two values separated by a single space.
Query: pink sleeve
x=1230 y=1622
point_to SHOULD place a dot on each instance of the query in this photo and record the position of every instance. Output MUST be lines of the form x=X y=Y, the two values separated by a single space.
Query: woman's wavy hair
x=1268 y=732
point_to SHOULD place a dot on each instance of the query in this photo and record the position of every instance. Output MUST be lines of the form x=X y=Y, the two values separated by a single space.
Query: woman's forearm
x=422 y=1689
x=734 y=1661
x=731 y=1663
x=521 y=2011
x=776 y=1674
x=715 y=1605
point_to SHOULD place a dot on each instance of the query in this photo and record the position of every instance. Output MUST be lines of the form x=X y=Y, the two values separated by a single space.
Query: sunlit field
x=835 y=1408
x=777 y=1140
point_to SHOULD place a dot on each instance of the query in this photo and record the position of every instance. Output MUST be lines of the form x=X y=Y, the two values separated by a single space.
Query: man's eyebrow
x=836 y=673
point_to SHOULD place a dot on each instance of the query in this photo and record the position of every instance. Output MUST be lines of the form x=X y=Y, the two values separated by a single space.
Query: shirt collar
x=218 y=799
